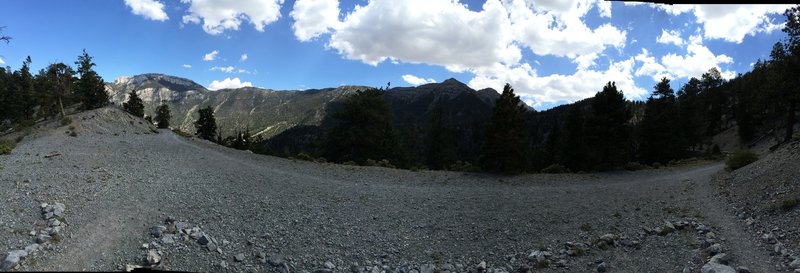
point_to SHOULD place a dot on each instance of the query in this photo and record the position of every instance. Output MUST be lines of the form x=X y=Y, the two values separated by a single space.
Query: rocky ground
x=138 y=197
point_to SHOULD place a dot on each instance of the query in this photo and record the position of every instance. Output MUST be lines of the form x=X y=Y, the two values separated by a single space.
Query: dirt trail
x=117 y=186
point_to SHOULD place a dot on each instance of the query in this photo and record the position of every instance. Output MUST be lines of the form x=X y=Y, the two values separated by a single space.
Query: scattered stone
x=283 y=268
x=714 y=249
x=211 y=246
x=749 y=221
x=157 y=231
x=795 y=264
x=275 y=259
x=32 y=233
x=769 y=238
x=712 y=267
x=145 y=246
x=131 y=267
x=30 y=249
x=168 y=239
x=329 y=265
x=482 y=266
x=561 y=263
x=238 y=257
x=601 y=268
x=428 y=268
x=720 y=258
x=43 y=238
x=153 y=257
x=743 y=269
x=711 y=235
x=203 y=240
x=12 y=259
x=223 y=264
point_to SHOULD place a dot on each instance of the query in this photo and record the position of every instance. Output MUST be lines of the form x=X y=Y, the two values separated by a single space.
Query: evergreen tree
x=572 y=150
x=134 y=105
x=506 y=143
x=607 y=130
x=409 y=145
x=714 y=99
x=439 y=150
x=791 y=93
x=659 y=141
x=90 y=87
x=206 y=124
x=689 y=113
x=60 y=77
x=163 y=116
x=363 y=130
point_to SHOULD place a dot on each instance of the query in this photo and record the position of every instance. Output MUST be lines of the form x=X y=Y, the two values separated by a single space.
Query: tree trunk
x=790 y=120
x=61 y=105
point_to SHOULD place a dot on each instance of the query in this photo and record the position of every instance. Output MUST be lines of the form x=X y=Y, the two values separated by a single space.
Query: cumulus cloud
x=670 y=37
x=314 y=17
x=414 y=80
x=731 y=22
x=228 y=83
x=557 y=87
x=220 y=15
x=694 y=63
x=243 y=57
x=150 y=9
x=211 y=56
x=186 y=66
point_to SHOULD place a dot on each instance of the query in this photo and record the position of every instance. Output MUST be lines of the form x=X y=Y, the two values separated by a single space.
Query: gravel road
x=118 y=178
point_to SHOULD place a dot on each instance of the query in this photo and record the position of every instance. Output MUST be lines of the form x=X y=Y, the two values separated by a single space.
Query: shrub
x=740 y=159
x=555 y=168
x=304 y=156
x=788 y=204
x=656 y=165
x=181 y=133
x=463 y=166
x=65 y=121
x=633 y=166
x=6 y=146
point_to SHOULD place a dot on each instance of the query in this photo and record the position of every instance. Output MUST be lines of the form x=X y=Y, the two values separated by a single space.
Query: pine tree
x=506 y=143
x=689 y=113
x=206 y=124
x=363 y=130
x=572 y=149
x=607 y=131
x=90 y=86
x=791 y=94
x=659 y=141
x=408 y=155
x=134 y=105
x=163 y=116
x=60 y=77
x=439 y=150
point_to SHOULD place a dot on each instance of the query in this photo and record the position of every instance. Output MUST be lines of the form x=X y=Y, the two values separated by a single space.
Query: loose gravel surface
x=118 y=179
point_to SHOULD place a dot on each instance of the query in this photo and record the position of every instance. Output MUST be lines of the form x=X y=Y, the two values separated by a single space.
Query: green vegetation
x=181 y=133
x=6 y=146
x=505 y=147
x=789 y=204
x=206 y=124
x=363 y=130
x=162 y=116
x=740 y=159
x=134 y=105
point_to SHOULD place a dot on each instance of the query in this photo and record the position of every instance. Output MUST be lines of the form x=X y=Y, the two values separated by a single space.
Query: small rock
x=720 y=258
x=561 y=263
x=60 y=206
x=181 y=226
x=157 y=230
x=168 y=239
x=795 y=264
x=712 y=267
x=714 y=249
x=743 y=269
x=601 y=268
x=131 y=267
x=43 y=205
x=145 y=246
x=223 y=264
x=329 y=265
x=283 y=268
x=609 y=238
x=203 y=240
x=482 y=266
x=711 y=235
x=53 y=223
x=32 y=233
x=275 y=259
x=211 y=246
x=749 y=221
x=153 y=257
x=43 y=238
x=31 y=248
x=52 y=231
x=154 y=245
x=48 y=215
x=238 y=257
x=769 y=238
x=427 y=268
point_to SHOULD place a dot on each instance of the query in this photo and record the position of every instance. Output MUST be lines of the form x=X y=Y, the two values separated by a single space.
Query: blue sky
x=552 y=52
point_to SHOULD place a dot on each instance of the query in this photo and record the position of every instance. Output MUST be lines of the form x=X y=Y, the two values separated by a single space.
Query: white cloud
x=415 y=81
x=228 y=69
x=555 y=28
x=150 y=9
x=211 y=56
x=220 y=15
x=2 y=61
x=650 y=67
x=243 y=57
x=228 y=83
x=559 y=88
x=439 y=32
x=186 y=66
x=670 y=37
x=314 y=17
x=731 y=22
x=698 y=60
